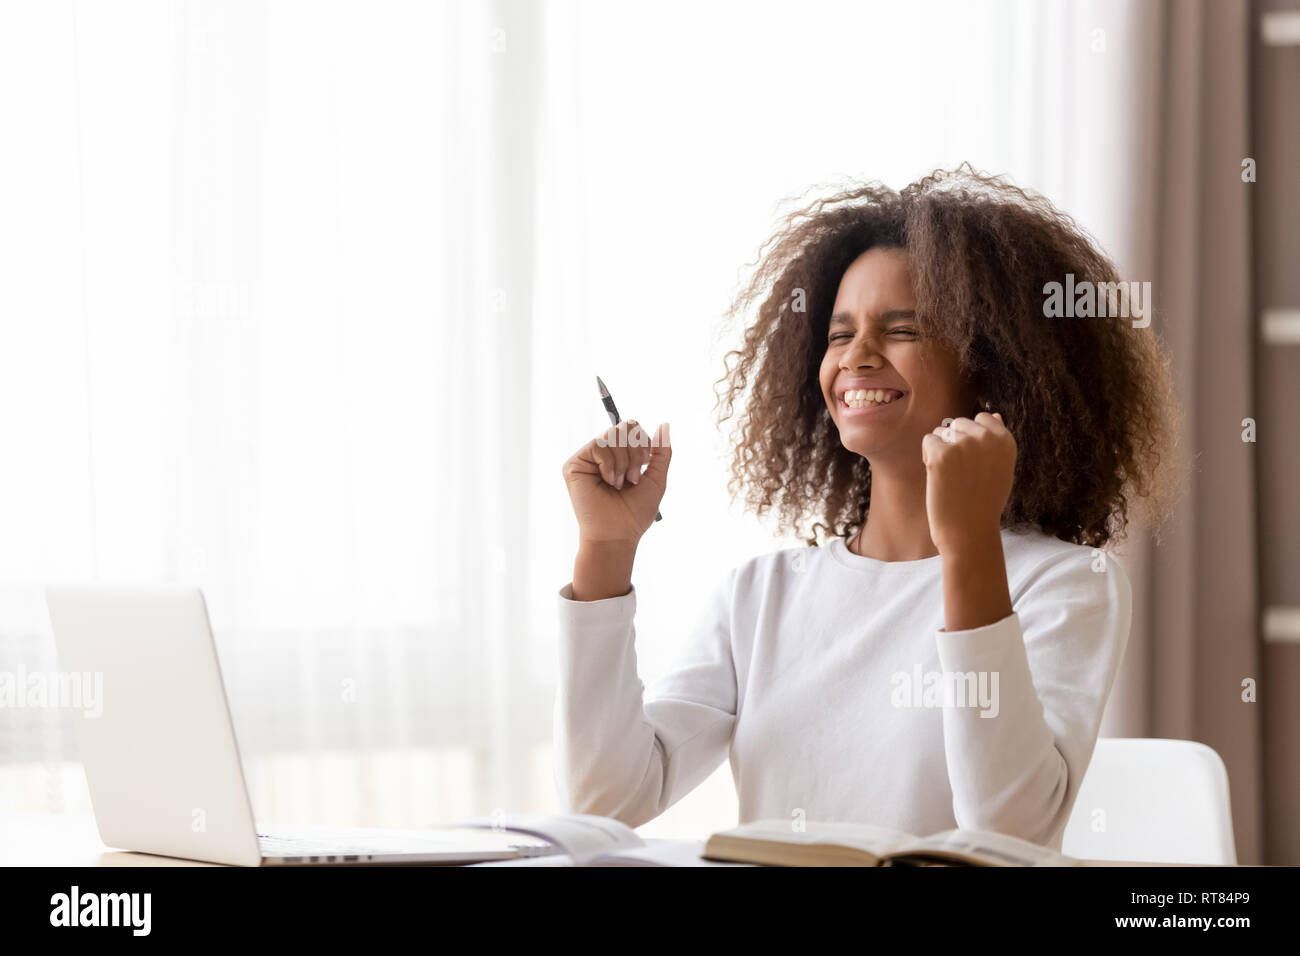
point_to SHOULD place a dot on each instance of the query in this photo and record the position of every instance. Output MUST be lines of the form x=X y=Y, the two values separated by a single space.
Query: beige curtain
x=1195 y=631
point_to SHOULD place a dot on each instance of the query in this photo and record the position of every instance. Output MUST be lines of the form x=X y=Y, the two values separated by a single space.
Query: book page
x=582 y=836
x=860 y=836
x=994 y=848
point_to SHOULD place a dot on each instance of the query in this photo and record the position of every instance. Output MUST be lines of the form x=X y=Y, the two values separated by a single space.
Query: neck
x=898 y=527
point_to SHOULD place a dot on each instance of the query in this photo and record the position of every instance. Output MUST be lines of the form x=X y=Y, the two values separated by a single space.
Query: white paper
x=581 y=836
x=664 y=853
x=654 y=853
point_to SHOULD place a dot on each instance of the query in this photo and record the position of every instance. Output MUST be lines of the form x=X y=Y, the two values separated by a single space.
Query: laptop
x=159 y=748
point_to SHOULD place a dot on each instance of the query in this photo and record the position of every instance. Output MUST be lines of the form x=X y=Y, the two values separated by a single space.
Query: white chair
x=1151 y=800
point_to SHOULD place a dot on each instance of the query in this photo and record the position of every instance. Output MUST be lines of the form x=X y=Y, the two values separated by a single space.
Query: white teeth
x=861 y=398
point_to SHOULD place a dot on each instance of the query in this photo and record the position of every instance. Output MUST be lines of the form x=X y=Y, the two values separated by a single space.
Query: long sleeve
x=1018 y=770
x=621 y=751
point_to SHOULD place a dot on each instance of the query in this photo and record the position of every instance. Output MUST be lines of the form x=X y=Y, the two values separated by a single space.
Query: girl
x=942 y=659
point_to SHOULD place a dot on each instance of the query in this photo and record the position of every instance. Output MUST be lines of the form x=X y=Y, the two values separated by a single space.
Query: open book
x=777 y=843
x=581 y=839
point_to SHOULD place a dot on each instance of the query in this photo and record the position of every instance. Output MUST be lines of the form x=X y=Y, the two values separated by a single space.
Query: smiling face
x=874 y=345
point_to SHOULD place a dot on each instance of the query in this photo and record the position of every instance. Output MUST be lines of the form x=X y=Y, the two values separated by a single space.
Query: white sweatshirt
x=810 y=668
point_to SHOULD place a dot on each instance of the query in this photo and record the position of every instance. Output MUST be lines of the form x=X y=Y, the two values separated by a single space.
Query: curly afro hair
x=1090 y=400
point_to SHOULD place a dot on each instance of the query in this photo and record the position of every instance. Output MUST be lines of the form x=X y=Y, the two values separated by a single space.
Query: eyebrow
x=843 y=318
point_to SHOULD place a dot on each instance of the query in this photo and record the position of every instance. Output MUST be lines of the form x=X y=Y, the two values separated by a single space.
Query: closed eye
x=849 y=335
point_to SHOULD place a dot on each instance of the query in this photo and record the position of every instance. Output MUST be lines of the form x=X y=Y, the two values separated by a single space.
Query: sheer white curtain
x=303 y=302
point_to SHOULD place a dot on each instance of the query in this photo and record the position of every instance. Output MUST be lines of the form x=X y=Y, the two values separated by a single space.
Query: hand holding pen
x=608 y=401
x=614 y=500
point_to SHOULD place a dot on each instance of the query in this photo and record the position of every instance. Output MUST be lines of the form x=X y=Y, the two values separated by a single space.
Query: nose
x=859 y=350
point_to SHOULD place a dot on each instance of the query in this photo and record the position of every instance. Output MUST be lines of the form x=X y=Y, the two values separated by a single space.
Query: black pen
x=608 y=401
